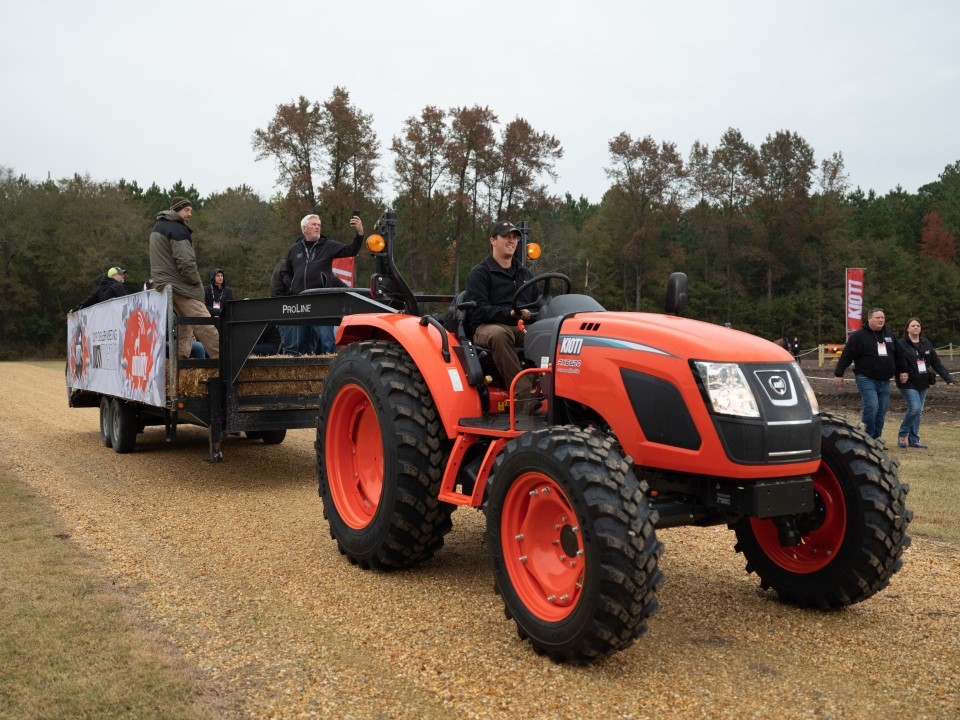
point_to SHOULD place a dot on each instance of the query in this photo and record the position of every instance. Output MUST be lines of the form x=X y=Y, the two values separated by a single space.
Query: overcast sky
x=160 y=92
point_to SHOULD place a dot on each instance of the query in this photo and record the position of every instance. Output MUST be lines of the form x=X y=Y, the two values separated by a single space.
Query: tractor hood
x=661 y=334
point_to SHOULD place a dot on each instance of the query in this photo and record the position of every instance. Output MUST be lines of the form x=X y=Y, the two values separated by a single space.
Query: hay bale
x=272 y=375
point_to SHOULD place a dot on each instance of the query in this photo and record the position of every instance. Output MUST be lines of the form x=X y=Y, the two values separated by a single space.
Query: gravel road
x=234 y=564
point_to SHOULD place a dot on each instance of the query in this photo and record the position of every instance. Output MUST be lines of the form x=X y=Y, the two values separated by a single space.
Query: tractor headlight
x=727 y=389
x=811 y=396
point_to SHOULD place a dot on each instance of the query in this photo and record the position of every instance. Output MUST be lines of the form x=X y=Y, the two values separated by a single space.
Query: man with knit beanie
x=173 y=261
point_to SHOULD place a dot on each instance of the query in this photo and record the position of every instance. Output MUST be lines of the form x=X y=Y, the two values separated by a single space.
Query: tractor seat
x=457 y=321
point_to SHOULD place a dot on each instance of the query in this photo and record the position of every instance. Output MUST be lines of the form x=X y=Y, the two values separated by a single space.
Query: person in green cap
x=110 y=286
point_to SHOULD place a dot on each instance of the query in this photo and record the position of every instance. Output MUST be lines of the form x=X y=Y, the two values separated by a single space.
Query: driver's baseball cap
x=503 y=229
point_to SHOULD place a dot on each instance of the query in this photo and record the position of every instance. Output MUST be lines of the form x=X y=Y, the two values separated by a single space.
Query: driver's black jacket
x=492 y=287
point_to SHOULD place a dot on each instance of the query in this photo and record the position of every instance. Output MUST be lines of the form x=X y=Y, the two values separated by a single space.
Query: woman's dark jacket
x=913 y=352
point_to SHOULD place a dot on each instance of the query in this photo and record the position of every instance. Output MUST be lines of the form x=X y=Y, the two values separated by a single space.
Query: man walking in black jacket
x=877 y=357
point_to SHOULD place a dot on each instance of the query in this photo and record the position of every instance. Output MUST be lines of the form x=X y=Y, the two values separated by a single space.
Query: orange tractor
x=648 y=421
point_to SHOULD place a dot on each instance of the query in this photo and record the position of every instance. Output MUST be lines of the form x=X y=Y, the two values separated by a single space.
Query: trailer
x=119 y=359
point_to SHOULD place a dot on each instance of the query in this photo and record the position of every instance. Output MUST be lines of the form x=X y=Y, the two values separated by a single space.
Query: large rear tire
x=380 y=457
x=853 y=541
x=572 y=543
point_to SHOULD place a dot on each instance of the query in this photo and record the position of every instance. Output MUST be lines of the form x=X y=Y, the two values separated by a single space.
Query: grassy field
x=70 y=646
x=933 y=478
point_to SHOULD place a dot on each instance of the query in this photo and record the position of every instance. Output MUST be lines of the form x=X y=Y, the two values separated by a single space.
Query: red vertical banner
x=854 y=299
x=343 y=268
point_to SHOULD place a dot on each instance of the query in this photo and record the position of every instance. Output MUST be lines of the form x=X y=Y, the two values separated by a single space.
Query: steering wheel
x=545 y=296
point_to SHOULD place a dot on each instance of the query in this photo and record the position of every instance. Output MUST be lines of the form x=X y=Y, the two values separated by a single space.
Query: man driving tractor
x=493 y=322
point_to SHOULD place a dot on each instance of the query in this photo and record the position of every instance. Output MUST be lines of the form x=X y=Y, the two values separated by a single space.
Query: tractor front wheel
x=852 y=542
x=573 y=547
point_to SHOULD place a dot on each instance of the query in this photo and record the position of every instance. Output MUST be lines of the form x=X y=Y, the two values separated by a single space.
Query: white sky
x=158 y=92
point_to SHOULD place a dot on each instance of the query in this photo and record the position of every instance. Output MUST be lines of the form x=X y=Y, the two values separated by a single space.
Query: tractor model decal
x=573 y=345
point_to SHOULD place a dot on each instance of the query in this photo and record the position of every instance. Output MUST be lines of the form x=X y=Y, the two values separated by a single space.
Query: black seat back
x=456 y=321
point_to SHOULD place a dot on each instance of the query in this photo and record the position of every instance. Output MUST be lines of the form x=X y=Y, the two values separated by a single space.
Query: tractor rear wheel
x=380 y=458
x=572 y=541
x=853 y=541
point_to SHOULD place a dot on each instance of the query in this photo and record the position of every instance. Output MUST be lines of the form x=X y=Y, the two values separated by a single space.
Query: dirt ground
x=942 y=403
x=233 y=562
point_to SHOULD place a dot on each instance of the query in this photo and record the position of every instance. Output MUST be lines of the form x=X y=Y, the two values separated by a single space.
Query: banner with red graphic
x=343 y=268
x=854 y=299
x=118 y=347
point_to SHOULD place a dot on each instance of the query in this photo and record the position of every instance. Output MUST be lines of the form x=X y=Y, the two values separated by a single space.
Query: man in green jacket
x=173 y=261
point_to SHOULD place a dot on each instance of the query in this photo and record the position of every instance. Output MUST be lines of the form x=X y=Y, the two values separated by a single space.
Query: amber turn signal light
x=376 y=243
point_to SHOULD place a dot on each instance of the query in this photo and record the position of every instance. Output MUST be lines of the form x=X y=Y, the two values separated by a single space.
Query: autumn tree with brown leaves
x=292 y=139
x=350 y=153
x=471 y=158
x=333 y=143
x=652 y=179
x=935 y=240
x=420 y=165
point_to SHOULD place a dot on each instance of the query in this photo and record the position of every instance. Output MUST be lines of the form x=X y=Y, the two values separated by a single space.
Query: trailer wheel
x=106 y=421
x=273 y=437
x=853 y=541
x=380 y=457
x=123 y=426
x=253 y=434
x=572 y=542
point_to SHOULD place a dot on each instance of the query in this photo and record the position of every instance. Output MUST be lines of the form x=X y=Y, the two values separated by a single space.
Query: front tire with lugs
x=572 y=542
x=853 y=541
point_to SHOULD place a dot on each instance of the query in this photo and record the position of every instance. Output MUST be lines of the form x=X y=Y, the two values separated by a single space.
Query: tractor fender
x=452 y=394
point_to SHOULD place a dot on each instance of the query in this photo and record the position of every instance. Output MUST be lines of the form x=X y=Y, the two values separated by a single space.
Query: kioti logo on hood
x=778 y=386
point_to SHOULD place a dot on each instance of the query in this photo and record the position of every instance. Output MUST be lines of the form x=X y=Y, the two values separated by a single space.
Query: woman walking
x=922 y=362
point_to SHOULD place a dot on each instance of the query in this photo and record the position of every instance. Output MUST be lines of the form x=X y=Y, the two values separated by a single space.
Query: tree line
x=764 y=232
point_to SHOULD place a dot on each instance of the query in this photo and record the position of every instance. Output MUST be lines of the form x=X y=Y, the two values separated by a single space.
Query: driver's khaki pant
x=502 y=342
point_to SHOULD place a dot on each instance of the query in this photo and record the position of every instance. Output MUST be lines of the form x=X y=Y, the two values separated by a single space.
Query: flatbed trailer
x=118 y=359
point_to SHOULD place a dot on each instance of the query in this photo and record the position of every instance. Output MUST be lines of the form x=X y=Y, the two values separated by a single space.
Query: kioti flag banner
x=343 y=268
x=854 y=299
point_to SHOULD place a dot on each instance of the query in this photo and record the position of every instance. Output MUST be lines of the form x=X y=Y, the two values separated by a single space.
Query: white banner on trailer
x=118 y=347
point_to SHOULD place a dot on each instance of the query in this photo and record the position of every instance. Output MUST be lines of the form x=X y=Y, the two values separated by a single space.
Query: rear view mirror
x=676 y=292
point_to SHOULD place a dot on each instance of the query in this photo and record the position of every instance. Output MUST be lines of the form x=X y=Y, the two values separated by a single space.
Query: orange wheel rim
x=353 y=451
x=542 y=547
x=818 y=547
